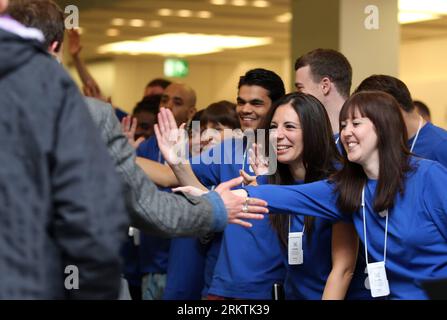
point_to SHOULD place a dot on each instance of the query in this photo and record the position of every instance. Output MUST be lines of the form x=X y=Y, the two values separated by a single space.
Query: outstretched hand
x=74 y=42
x=172 y=140
x=236 y=200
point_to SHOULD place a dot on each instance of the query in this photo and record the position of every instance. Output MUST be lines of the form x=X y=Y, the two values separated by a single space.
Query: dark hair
x=223 y=112
x=319 y=153
x=422 y=109
x=44 y=15
x=328 y=63
x=196 y=117
x=383 y=111
x=150 y=104
x=266 y=79
x=159 y=82
x=390 y=85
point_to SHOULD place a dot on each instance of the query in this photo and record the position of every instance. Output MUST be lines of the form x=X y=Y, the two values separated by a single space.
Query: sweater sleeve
x=151 y=210
x=315 y=199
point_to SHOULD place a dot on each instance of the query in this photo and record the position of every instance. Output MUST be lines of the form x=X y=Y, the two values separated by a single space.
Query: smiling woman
x=395 y=201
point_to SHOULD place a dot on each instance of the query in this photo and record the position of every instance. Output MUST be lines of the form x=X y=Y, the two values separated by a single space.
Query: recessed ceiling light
x=155 y=24
x=112 y=32
x=204 y=14
x=138 y=23
x=183 y=44
x=412 y=17
x=284 y=18
x=260 y=3
x=165 y=12
x=218 y=2
x=184 y=13
x=239 y=3
x=118 y=22
x=426 y=6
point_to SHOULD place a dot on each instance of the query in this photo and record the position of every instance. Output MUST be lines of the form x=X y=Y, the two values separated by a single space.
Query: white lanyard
x=304 y=226
x=377 y=277
x=295 y=247
x=364 y=229
x=336 y=140
x=417 y=134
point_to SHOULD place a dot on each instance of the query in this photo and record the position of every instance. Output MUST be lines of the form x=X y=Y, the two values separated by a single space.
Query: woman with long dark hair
x=306 y=152
x=396 y=201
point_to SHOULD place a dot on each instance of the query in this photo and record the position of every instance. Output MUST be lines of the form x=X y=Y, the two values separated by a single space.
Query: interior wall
x=124 y=78
x=212 y=80
x=104 y=74
x=423 y=68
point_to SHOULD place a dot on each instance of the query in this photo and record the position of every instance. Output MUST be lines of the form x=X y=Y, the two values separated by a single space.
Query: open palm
x=172 y=141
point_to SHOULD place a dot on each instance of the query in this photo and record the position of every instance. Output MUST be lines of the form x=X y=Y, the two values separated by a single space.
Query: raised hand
x=74 y=42
x=172 y=141
x=129 y=126
x=257 y=160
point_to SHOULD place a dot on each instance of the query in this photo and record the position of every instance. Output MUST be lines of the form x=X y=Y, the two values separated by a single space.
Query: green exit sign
x=177 y=68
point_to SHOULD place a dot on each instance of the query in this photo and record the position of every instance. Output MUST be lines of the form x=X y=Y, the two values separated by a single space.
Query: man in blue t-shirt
x=154 y=251
x=242 y=271
x=425 y=139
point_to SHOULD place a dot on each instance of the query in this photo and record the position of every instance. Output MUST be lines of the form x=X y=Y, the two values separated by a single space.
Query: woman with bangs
x=396 y=201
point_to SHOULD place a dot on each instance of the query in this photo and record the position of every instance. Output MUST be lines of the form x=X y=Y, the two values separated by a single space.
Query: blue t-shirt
x=308 y=280
x=249 y=261
x=153 y=251
x=431 y=144
x=120 y=114
x=417 y=230
x=186 y=268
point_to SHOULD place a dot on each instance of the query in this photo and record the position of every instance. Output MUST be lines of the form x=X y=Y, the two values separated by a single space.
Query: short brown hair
x=328 y=63
x=44 y=15
x=383 y=111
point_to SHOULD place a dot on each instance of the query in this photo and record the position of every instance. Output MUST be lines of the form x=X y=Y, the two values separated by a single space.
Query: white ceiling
x=96 y=17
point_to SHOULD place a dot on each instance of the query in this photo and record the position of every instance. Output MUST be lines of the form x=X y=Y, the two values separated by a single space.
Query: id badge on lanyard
x=378 y=280
x=295 y=248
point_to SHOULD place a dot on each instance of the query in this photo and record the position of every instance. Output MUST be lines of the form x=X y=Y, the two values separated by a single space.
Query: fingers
x=133 y=126
x=241 y=223
x=170 y=118
x=161 y=121
x=257 y=202
x=256 y=209
x=230 y=184
x=138 y=142
x=247 y=178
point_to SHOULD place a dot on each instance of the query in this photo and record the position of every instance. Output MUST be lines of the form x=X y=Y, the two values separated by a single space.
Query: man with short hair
x=425 y=139
x=62 y=208
x=156 y=87
x=181 y=100
x=153 y=211
x=327 y=75
x=146 y=114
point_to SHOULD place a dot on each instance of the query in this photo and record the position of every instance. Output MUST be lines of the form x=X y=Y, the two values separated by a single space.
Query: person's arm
x=90 y=86
x=345 y=245
x=160 y=174
x=161 y=213
x=316 y=199
x=172 y=141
